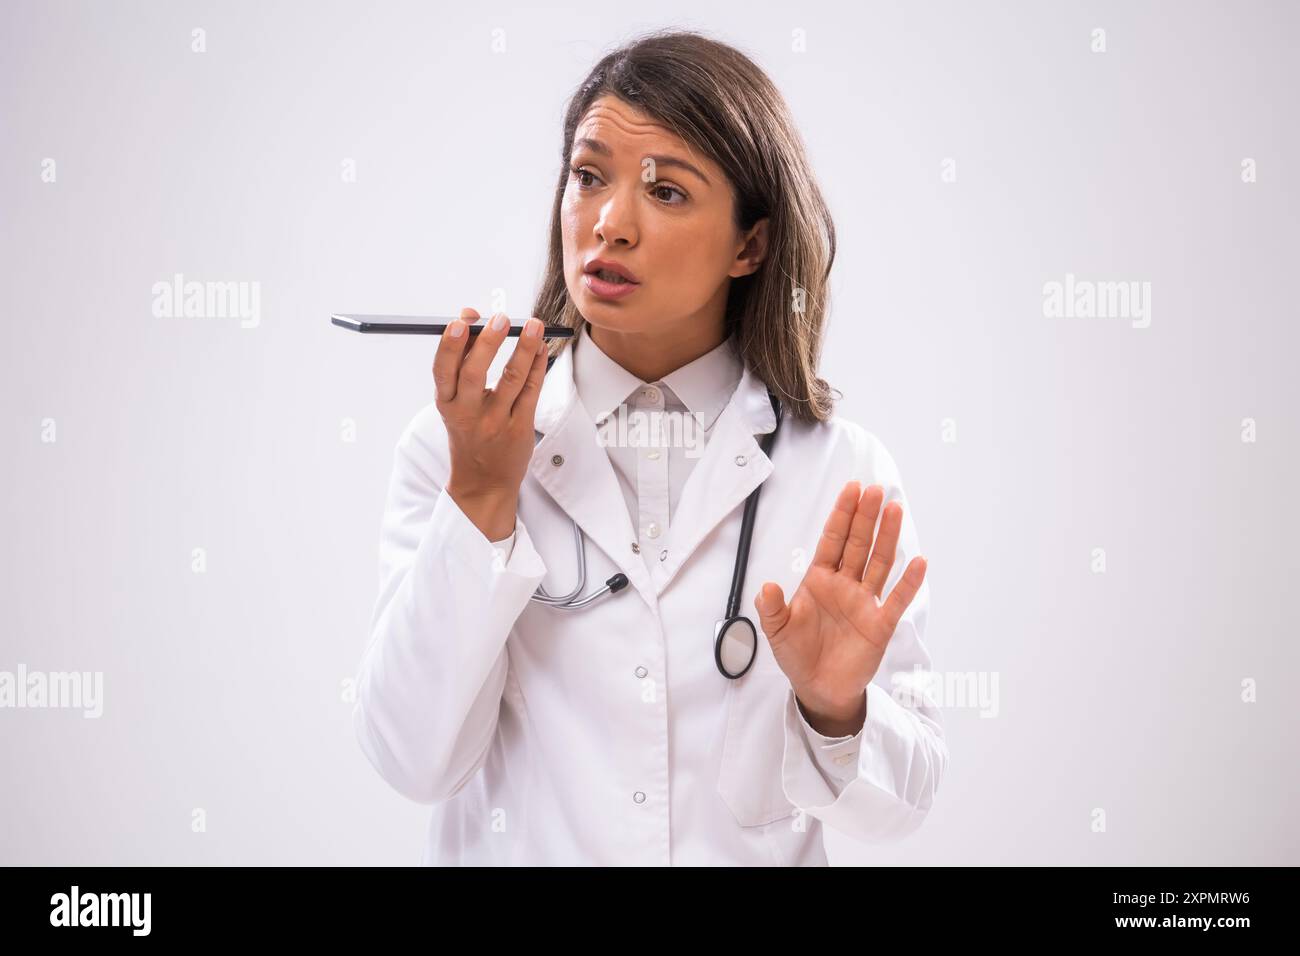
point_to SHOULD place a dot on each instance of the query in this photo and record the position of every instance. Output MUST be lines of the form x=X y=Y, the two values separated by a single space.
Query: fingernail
x=456 y=329
x=533 y=328
x=499 y=322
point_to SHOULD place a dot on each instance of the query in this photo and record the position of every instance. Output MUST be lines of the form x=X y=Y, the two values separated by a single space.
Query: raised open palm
x=830 y=638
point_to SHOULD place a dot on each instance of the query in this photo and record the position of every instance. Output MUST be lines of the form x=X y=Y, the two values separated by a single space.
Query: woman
x=689 y=250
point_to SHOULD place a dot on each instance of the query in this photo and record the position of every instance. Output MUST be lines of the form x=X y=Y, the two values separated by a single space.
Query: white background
x=1119 y=691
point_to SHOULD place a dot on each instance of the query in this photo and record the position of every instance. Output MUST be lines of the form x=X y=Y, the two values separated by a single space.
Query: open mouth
x=605 y=284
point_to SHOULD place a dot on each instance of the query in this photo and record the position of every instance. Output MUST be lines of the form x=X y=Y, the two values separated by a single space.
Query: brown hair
x=720 y=102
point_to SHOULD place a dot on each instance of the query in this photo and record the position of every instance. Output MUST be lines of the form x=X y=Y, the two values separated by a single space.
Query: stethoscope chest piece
x=735 y=645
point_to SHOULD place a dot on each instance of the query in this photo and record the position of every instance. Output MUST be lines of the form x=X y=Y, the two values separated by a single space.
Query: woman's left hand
x=830 y=638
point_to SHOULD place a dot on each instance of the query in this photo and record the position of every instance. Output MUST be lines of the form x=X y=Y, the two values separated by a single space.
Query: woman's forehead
x=616 y=129
x=614 y=122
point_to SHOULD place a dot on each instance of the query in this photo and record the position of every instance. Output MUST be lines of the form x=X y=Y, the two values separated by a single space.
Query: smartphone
x=430 y=325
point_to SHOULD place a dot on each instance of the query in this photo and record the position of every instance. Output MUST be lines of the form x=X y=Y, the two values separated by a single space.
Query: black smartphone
x=429 y=325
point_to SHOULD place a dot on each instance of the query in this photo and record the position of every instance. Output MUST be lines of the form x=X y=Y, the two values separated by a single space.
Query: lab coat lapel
x=584 y=484
x=732 y=466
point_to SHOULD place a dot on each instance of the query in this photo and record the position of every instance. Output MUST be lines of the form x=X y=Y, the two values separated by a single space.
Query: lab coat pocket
x=749 y=780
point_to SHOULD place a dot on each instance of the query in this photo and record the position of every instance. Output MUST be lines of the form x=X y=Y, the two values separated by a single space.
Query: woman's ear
x=753 y=252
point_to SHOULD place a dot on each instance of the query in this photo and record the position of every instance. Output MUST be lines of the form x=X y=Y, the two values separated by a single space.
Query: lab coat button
x=641 y=672
x=557 y=460
x=639 y=797
x=740 y=459
x=663 y=555
x=636 y=548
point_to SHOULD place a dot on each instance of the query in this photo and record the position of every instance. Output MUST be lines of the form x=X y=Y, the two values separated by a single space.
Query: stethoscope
x=735 y=639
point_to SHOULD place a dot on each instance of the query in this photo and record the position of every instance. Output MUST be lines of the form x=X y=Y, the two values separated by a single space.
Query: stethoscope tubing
x=567 y=602
x=747 y=522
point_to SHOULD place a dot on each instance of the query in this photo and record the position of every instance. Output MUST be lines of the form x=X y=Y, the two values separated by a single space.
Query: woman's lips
x=609 y=290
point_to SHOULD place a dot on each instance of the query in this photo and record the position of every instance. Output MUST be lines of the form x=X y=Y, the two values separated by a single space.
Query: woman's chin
x=591 y=304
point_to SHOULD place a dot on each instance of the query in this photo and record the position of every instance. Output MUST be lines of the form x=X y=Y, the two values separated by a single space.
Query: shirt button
x=653 y=454
x=845 y=758
x=639 y=797
x=641 y=672
x=651 y=394
x=652 y=530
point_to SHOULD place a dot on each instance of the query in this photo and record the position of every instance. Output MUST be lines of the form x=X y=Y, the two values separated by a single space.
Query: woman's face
x=638 y=196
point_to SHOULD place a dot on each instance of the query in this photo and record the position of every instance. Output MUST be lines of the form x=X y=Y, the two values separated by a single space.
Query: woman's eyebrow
x=596 y=146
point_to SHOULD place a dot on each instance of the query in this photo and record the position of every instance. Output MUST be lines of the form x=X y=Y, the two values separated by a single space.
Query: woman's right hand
x=489 y=430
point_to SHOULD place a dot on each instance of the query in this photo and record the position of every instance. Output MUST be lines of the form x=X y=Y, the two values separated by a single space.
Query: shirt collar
x=704 y=385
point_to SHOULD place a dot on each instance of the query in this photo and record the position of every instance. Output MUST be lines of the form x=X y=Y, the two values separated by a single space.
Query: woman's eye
x=579 y=172
x=660 y=189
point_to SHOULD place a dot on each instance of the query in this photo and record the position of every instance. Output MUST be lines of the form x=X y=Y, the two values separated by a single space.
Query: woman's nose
x=617 y=221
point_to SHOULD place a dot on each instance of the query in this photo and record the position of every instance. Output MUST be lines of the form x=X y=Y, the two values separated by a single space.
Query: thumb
x=773 y=612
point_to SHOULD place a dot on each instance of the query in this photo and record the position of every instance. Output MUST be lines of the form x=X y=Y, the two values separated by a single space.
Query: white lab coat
x=547 y=736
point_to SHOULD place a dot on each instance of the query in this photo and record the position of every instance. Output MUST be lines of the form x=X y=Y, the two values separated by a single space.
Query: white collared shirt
x=654 y=431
